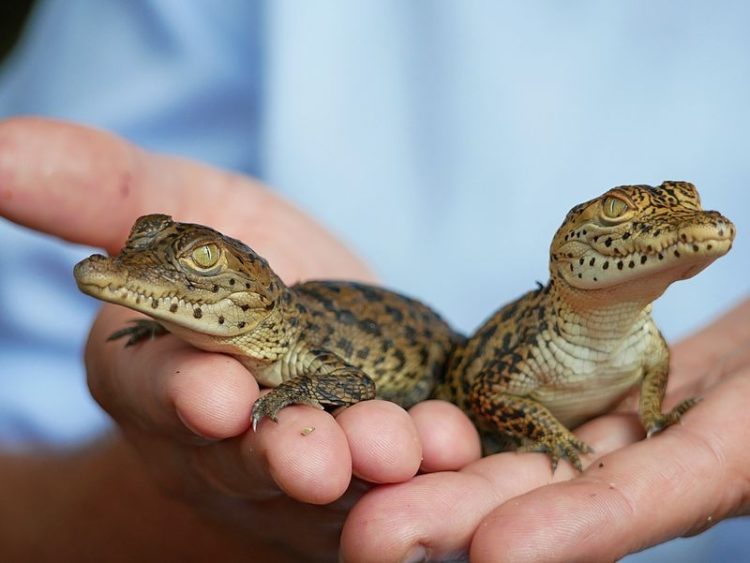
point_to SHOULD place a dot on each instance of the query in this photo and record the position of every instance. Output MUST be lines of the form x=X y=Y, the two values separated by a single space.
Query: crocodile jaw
x=104 y=278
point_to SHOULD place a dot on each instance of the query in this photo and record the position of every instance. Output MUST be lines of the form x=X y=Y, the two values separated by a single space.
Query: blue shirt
x=427 y=135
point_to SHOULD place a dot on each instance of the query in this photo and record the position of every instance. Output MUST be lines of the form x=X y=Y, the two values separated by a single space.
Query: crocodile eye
x=206 y=256
x=614 y=207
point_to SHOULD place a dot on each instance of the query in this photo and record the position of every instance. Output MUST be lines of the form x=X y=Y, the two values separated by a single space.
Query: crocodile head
x=186 y=276
x=637 y=240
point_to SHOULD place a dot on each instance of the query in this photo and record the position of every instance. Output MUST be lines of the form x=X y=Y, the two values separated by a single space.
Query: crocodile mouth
x=678 y=248
x=139 y=299
x=223 y=316
x=98 y=277
x=679 y=259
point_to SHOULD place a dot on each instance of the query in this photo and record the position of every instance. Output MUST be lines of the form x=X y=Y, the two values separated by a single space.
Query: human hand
x=185 y=411
x=508 y=507
x=88 y=187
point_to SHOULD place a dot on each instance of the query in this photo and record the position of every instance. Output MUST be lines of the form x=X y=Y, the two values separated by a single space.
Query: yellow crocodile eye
x=206 y=256
x=614 y=207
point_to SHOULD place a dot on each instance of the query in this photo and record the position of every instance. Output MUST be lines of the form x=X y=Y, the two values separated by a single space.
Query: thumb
x=88 y=187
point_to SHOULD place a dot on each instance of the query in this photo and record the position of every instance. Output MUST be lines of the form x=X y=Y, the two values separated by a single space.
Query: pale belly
x=582 y=400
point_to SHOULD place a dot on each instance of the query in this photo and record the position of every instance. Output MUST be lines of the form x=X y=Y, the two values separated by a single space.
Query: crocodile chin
x=691 y=272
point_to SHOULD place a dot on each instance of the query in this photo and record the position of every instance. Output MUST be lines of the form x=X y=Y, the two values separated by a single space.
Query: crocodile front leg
x=497 y=399
x=140 y=330
x=653 y=388
x=532 y=422
x=327 y=380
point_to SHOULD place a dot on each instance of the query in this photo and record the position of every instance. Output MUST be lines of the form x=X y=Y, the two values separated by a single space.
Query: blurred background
x=443 y=141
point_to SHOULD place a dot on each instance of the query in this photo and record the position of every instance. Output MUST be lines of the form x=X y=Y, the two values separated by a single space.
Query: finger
x=313 y=467
x=383 y=441
x=449 y=439
x=434 y=515
x=305 y=455
x=88 y=187
x=165 y=391
x=703 y=358
x=312 y=458
x=676 y=483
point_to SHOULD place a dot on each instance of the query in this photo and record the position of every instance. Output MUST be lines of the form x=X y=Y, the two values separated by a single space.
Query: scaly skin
x=319 y=343
x=572 y=349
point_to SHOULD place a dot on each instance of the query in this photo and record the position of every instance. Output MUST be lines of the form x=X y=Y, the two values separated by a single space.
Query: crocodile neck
x=276 y=333
x=604 y=318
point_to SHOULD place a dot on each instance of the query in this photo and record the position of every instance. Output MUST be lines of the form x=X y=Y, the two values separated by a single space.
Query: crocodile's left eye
x=206 y=255
x=614 y=207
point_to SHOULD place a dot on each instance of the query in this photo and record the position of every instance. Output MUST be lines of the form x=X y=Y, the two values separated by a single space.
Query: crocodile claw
x=269 y=405
x=259 y=413
x=140 y=330
x=668 y=419
x=558 y=446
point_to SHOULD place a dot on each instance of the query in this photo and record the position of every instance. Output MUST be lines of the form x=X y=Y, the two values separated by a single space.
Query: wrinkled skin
x=183 y=479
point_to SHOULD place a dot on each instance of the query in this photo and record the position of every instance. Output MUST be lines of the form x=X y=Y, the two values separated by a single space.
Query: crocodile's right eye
x=614 y=207
x=206 y=255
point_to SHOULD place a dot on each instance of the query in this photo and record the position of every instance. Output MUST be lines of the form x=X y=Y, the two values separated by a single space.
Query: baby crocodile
x=570 y=350
x=318 y=343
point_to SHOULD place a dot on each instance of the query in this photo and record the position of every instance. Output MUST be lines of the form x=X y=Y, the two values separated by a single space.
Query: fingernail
x=417 y=554
x=189 y=426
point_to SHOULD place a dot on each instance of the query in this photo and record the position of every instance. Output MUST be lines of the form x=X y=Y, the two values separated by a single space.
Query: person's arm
x=183 y=477
x=677 y=483
x=100 y=504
